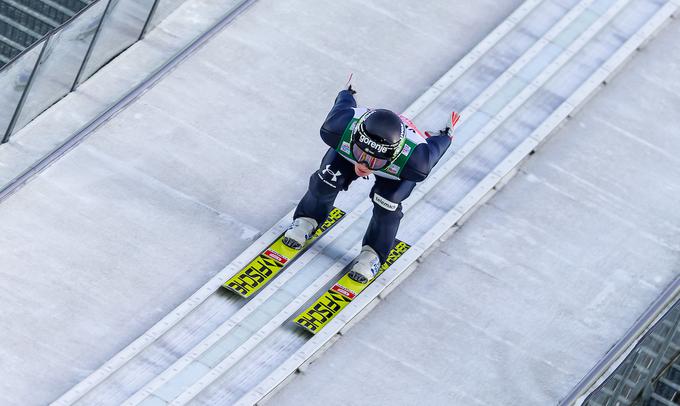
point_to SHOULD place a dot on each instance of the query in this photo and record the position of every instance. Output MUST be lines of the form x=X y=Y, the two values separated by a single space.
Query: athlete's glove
x=448 y=130
x=454 y=119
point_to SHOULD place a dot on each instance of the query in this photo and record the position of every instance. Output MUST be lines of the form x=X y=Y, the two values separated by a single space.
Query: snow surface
x=530 y=293
x=115 y=234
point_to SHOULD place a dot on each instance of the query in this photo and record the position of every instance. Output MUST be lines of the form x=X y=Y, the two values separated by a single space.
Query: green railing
x=67 y=56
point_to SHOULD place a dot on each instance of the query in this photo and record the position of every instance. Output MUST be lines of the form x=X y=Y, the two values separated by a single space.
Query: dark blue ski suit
x=336 y=173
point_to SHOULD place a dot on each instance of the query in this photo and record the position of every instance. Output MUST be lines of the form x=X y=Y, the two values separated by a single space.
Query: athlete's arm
x=424 y=157
x=338 y=118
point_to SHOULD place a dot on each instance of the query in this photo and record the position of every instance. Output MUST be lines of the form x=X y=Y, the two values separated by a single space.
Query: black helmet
x=378 y=138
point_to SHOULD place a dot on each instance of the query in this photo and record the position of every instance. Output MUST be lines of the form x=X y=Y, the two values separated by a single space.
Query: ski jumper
x=393 y=184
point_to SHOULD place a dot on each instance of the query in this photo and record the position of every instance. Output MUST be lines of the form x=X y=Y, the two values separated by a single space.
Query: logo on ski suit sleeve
x=333 y=179
x=384 y=203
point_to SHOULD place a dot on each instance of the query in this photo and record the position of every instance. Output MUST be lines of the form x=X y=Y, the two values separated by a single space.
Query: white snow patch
x=530 y=177
x=634 y=137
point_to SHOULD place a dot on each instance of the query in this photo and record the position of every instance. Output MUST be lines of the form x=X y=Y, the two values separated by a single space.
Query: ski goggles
x=373 y=163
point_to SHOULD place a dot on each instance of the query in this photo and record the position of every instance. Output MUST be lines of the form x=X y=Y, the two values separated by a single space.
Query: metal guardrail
x=65 y=57
x=626 y=374
x=149 y=80
x=643 y=365
x=666 y=387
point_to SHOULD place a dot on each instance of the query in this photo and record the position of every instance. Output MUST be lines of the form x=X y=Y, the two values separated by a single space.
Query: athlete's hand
x=448 y=130
x=348 y=85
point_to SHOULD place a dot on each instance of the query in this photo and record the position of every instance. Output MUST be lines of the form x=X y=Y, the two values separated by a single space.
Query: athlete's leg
x=387 y=196
x=334 y=174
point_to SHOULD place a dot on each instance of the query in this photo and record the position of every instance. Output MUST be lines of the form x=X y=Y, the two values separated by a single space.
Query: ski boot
x=299 y=232
x=365 y=266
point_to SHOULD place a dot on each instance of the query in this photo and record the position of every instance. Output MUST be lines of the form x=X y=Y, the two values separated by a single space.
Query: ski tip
x=348 y=85
x=454 y=119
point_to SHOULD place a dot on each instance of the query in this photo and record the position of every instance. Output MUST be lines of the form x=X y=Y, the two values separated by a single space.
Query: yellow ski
x=273 y=259
x=322 y=311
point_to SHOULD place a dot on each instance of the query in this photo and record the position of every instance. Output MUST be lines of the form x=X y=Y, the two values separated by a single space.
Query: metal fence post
x=618 y=389
x=76 y=82
x=148 y=19
x=664 y=347
x=22 y=100
x=648 y=389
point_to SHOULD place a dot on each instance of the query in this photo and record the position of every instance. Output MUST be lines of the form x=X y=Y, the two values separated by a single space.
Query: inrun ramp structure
x=514 y=89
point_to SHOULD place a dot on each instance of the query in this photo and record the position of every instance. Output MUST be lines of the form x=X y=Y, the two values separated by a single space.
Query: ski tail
x=270 y=262
x=331 y=302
